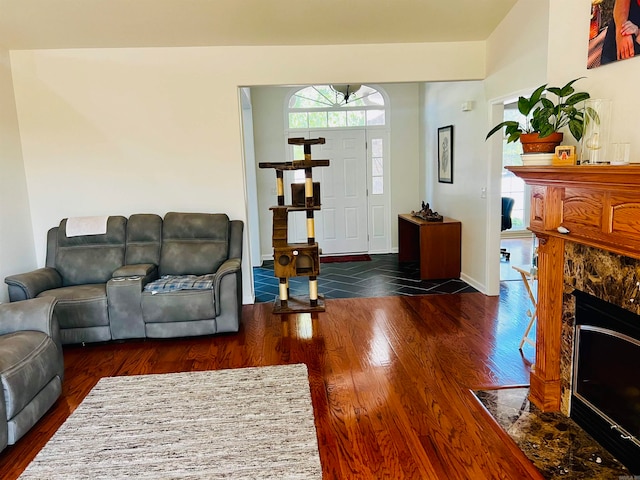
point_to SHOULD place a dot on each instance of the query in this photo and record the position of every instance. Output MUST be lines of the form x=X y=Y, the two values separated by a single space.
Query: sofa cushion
x=136 y=270
x=171 y=283
x=28 y=362
x=144 y=236
x=80 y=305
x=90 y=258
x=194 y=243
x=178 y=306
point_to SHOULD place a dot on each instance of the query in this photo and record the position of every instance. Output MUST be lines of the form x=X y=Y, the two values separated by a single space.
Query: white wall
x=269 y=142
x=616 y=81
x=251 y=167
x=517 y=50
x=118 y=131
x=517 y=55
x=462 y=198
x=17 y=252
x=405 y=152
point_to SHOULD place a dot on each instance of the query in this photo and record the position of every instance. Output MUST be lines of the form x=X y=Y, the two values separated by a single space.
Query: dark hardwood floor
x=390 y=381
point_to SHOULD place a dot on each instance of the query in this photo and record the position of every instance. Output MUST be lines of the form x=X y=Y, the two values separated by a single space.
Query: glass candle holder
x=620 y=153
x=595 y=136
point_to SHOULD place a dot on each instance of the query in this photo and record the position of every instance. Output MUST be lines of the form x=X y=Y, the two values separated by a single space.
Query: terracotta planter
x=532 y=143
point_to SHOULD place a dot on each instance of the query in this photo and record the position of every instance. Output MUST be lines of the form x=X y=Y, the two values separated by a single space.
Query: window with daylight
x=377 y=167
x=320 y=106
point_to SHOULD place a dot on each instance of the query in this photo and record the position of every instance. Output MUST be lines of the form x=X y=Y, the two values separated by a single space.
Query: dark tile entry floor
x=383 y=276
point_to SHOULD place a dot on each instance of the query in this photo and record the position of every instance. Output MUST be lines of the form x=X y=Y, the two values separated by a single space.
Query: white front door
x=341 y=226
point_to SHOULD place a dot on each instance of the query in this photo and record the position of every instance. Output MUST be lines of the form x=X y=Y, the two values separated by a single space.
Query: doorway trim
x=494 y=182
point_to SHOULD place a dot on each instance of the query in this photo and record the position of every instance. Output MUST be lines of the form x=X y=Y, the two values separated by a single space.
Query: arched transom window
x=324 y=106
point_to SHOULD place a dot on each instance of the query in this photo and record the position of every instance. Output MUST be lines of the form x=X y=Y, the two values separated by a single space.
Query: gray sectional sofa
x=31 y=365
x=145 y=277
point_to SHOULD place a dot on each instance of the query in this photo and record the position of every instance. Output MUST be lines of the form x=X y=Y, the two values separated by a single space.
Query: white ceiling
x=33 y=24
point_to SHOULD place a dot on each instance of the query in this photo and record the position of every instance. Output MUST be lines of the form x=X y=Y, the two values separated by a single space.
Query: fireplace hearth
x=558 y=447
x=605 y=398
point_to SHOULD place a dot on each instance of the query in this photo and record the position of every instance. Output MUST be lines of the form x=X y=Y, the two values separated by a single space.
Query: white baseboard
x=481 y=287
x=266 y=257
x=248 y=299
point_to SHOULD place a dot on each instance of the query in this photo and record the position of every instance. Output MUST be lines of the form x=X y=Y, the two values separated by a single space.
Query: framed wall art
x=445 y=154
x=613 y=31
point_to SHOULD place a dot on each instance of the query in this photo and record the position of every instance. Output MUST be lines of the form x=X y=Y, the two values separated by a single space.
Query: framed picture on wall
x=613 y=31
x=445 y=154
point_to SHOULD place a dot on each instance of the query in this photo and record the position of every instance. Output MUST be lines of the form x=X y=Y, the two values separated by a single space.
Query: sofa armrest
x=137 y=270
x=226 y=282
x=29 y=285
x=36 y=314
x=124 y=295
x=33 y=314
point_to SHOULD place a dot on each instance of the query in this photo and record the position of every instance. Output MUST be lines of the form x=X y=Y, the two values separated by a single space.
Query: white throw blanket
x=77 y=226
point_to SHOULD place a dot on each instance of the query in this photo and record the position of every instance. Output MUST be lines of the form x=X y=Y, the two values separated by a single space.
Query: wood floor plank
x=456 y=362
x=390 y=381
x=374 y=405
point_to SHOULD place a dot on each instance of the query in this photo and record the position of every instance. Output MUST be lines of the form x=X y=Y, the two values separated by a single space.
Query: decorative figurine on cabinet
x=427 y=214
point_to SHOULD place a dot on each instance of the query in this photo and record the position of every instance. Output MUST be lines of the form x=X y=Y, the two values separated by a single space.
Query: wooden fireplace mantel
x=600 y=206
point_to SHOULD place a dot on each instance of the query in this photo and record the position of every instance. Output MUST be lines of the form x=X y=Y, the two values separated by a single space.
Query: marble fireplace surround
x=605 y=275
x=600 y=206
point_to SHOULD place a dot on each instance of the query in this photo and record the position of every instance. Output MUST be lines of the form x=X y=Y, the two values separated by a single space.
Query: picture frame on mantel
x=445 y=154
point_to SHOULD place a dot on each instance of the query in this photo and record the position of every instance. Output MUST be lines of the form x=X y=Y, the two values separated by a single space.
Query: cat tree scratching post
x=297 y=259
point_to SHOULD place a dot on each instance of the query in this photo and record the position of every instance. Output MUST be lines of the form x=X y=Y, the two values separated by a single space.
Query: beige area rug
x=241 y=423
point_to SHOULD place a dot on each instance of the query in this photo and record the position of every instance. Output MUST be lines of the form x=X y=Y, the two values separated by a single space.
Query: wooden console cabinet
x=436 y=245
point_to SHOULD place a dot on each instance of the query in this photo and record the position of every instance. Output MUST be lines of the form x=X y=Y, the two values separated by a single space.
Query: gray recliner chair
x=208 y=246
x=76 y=274
x=31 y=365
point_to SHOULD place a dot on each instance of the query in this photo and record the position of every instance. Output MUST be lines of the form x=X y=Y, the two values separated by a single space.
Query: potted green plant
x=544 y=118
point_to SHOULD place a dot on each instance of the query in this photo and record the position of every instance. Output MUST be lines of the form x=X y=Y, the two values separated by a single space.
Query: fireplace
x=605 y=398
x=598 y=252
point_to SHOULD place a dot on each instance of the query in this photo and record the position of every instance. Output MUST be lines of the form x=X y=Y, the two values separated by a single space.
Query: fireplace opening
x=605 y=398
